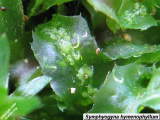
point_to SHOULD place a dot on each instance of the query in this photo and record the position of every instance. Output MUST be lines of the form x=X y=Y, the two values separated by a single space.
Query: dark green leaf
x=39 y=6
x=11 y=23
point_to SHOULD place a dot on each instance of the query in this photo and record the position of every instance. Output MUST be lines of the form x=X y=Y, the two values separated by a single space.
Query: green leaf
x=18 y=106
x=121 y=49
x=4 y=61
x=3 y=92
x=106 y=7
x=26 y=105
x=39 y=6
x=66 y=51
x=125 y=14
x=33 y=86
x=136 y=16
x=127 y=89
x=11 y=23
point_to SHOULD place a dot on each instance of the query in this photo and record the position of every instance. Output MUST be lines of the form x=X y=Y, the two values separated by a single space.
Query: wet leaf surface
x=127 y=89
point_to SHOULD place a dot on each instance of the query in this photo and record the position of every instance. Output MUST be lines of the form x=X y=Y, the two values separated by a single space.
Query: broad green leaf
x=135 y=16
x=33 y=86
x=4 y=61
x=66 y=51
x=127 y=89
x=26 y=105
x=18 y=106
x=125 y=14
x=107 y=7
x=11 y=23
x=39 y=6
x=121 y=49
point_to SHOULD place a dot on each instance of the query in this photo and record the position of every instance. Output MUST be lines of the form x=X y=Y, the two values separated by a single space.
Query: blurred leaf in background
x=39 y=6
x=12 y=23
x=125 y=14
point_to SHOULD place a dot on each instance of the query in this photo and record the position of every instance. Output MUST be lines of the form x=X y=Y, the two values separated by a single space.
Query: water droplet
x=85 y=35
x=138 y=55
x=76 y=43
x=86 y=76
x=37 y=67
x=51 y=67
x=117 y=79
x=73 y=90
x=16 y=41
x=26 y=61
x=76 y=55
